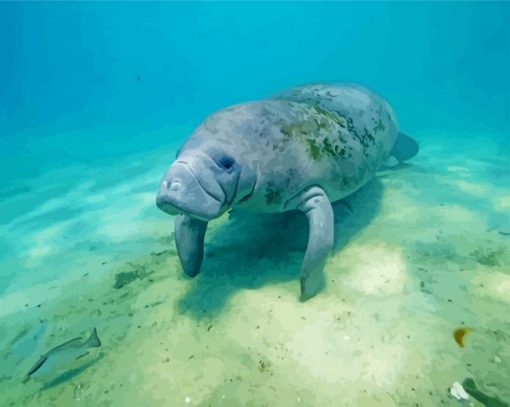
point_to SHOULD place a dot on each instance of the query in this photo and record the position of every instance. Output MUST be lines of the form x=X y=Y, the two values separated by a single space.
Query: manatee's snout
x=190 y=188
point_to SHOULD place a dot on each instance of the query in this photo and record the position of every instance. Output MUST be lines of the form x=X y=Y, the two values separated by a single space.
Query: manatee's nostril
x=174 y=185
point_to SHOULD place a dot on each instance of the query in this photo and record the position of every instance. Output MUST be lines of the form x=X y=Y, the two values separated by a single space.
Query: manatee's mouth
x=196 y=195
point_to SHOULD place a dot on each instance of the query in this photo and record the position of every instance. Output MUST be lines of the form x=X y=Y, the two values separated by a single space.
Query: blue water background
x=74 y=65
x=83 y=83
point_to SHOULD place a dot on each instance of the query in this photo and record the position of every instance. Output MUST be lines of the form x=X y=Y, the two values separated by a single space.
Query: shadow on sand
x=252 y=250
x=70 y=374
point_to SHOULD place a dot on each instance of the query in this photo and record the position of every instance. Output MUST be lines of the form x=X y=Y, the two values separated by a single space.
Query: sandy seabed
x=422 y=250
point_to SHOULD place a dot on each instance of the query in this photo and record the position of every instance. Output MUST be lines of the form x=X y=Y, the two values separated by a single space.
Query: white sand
x=413 y=262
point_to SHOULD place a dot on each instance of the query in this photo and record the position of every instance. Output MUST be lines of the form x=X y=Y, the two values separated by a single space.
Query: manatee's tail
x=93 y=341
x=404 y=148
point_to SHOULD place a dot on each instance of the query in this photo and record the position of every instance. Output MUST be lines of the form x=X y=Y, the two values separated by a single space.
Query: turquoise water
x=95 y=99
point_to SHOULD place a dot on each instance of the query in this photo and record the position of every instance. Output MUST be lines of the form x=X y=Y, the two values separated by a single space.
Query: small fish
x=459 y=335
x=63 y=355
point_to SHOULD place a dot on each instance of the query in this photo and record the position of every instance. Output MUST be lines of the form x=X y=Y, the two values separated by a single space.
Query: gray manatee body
x=300 y=150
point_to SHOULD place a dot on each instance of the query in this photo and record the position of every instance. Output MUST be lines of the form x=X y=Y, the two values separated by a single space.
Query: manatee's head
x=203 y=182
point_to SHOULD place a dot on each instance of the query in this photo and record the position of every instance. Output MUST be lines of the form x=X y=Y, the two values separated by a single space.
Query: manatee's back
x=362 y=131
x=368 y=112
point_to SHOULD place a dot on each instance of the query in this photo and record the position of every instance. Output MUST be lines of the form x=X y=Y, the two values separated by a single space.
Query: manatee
x=301 y=149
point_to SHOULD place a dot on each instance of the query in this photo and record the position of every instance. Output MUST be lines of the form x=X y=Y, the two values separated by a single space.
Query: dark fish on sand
x=64 y=355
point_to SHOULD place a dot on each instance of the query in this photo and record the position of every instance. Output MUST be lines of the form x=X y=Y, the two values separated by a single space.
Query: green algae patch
x=264 y=366
x=365 y=138
x=314 y=150
x=379 y=126
x=147 y=267
x=272 y=195
x=321 y=134
x=331 y=115
x=124 y=278
x=488 y=257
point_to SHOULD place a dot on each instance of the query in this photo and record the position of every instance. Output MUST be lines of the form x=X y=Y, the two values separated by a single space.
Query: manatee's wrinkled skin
x=303 y=149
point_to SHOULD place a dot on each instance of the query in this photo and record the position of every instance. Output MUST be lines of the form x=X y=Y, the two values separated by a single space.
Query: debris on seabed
x=458 y=392
x=459 y=335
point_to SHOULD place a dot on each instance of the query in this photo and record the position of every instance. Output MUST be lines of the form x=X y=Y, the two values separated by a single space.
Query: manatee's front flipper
x=315 y=204
x=189 y=239
x=404 y=148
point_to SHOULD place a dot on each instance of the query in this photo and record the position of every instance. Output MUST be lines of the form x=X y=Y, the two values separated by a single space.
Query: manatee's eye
x=226 y=163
